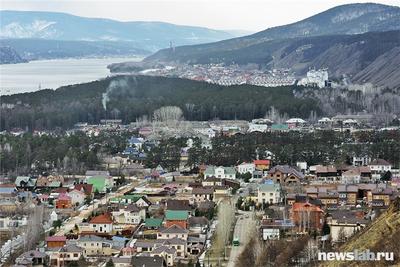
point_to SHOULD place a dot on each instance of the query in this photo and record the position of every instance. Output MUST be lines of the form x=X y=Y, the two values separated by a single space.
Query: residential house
x=101 y=183
x=8 y=192
x=347 y=223
x=129 y=214
x=327 y=174
x=211 y=181
x=86 y=188
x=198 y=225
x=306 y=216
x=222 y=191
x=169 y=254
x=8 y=223
x=262 y=164
x=246 y=167
x=178 y=204
x=176 y=217
x=361 y=160
x=50 y=181
x=153 y=223
x=25 y=182
x=220 y=172
x=381 y=196
x=347 y=194
x=66 y=255
x=379 y=166
x=56 y=241
x=269 y=193
x=329 y=199
x=271 y=229
x=171 y=232
x=32 y=258
x=101 y=224
x=136 y=142
x=285 y=174
x=201 y=194
x=96 y=246
x=148 y=261
x=77 y=197
x=63 y=201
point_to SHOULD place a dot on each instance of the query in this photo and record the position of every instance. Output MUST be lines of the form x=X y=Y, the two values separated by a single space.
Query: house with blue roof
x=136 y=142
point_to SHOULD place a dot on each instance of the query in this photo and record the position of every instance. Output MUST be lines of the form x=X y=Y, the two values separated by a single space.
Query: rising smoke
x=117 y=87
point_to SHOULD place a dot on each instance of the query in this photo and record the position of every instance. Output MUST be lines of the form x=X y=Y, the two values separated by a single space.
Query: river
x=51 y=74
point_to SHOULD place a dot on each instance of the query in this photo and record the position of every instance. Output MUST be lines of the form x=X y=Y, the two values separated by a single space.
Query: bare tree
x=169 y=115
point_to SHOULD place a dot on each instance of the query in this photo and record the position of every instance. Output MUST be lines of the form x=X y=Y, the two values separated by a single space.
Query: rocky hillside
x=9 y=56
x=383 y=234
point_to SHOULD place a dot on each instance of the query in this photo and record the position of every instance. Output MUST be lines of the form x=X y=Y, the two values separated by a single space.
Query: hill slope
x=60 y=26
x=345 y=19
x=382 y=235
x=359 y=56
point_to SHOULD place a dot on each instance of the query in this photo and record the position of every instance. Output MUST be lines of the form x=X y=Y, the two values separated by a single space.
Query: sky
x=250 y=15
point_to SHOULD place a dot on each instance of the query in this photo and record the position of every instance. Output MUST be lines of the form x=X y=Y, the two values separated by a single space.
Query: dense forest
x=132 y=97
x=68 y=154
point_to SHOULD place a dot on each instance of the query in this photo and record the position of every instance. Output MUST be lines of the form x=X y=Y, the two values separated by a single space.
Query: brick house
x=176 y=217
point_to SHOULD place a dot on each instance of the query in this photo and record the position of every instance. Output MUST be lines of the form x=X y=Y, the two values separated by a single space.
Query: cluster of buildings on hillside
x=226 y=75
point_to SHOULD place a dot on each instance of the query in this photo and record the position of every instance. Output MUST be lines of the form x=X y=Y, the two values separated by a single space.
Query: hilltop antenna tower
x=172 y=47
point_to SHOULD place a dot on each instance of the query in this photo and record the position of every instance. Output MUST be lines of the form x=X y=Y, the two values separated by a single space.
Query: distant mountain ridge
x=345 y=19
x=347 y=39
x=61 y=26
x=36 y=49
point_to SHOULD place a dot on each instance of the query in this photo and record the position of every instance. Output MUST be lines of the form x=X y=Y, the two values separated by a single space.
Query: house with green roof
x=176 y=217
x=153 y=223
x=100 y=183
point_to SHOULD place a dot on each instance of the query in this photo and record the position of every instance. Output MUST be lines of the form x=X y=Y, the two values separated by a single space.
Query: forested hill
x=131 y=97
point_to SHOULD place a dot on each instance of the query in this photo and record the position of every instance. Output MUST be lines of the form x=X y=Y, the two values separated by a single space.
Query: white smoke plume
x=117 y=86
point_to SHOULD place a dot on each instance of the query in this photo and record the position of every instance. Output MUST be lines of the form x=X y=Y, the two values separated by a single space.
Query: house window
x=75 y=255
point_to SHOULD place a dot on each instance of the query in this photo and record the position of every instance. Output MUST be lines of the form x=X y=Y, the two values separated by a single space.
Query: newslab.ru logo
x=356 y=255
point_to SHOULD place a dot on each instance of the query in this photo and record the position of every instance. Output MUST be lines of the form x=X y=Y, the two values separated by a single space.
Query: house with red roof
x=306 y=216
x=102 y=223
x=262 y=164
x=86 y=188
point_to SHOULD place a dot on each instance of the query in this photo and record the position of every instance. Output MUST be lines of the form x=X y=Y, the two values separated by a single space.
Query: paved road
x=243 y=224
x=70 y=224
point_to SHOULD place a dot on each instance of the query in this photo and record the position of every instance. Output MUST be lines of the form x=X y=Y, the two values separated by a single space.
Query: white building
x=130 y=214
x=101 y=224
x=77 y=196
x=246 y=168
x=380 y=166
x=269 y=193
x=220 y=172
x=317 y=78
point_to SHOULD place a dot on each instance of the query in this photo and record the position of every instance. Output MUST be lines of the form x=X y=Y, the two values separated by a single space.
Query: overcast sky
x=253 y=15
